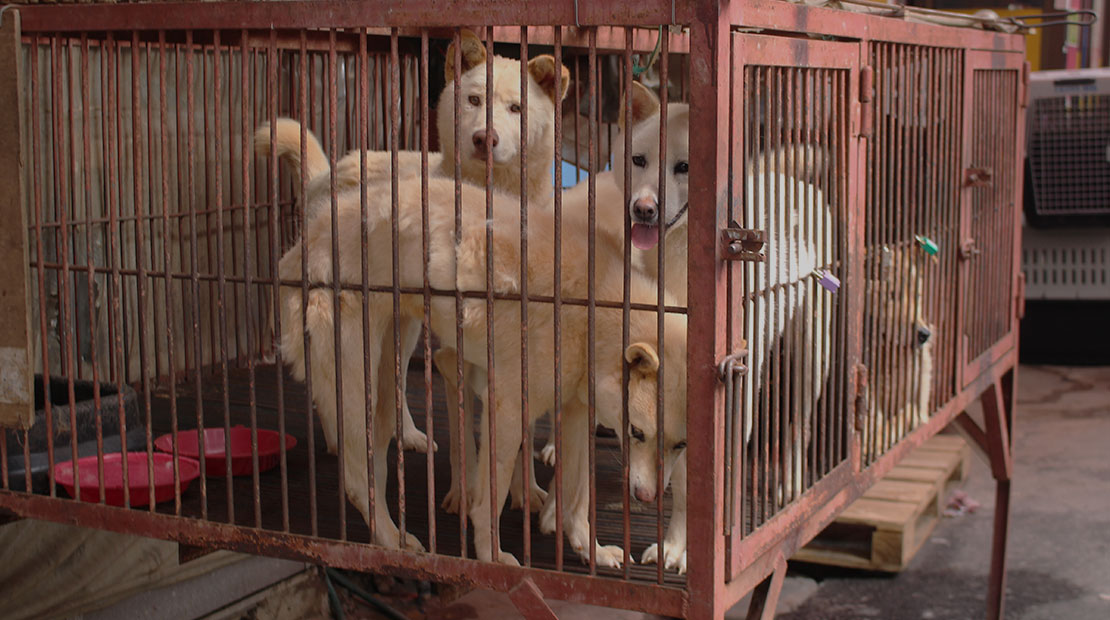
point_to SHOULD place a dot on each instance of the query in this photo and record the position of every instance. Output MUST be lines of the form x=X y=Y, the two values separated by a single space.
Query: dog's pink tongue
x=645 y=237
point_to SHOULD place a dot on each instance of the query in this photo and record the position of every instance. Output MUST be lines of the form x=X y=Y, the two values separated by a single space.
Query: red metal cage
x=846 y=227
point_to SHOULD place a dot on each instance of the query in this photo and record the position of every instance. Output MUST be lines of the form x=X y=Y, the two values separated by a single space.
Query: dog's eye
x=681 y=168
x=639 y=161
x=636 y=433
x=679 y=446
x=474 y=100
x=515 y=108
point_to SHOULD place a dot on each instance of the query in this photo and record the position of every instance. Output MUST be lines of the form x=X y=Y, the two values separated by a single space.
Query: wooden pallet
x=886 y=527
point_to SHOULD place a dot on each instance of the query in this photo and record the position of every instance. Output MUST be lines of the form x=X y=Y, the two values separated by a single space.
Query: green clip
x=931 y=248
x=637 y=68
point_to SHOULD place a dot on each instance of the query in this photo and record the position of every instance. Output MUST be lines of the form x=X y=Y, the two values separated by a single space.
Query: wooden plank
x=902 y=491
x=879 y=513
x=951 y=443
x=819 y=555
x=915 y=474
x=926 y=461
x=17 y=394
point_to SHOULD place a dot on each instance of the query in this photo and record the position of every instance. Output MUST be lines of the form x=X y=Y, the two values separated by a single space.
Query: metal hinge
x=863 y=394
x=742 y=243
x=866 y=96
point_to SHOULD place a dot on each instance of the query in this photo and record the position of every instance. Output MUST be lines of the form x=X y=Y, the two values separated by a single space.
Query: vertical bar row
x=660 y=316
x=491 y=394
x=591 y=307
x=461 y=396
x=337 y=279
x=363 y=99
x=195 y=272
x=249 y=267
x=525 y=420
x=398 y=355
x=272 y=89
x=310 y=431
x=425 y=114
x=626 y=221
x=171 y=323
x=557 y=423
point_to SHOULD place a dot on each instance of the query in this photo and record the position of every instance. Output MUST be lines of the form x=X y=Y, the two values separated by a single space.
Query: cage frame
x=759 y=563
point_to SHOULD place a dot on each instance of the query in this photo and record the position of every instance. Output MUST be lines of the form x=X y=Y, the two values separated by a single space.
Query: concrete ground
x=1059 y=549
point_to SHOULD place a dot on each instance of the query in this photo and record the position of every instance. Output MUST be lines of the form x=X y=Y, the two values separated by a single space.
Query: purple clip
x=827 y=280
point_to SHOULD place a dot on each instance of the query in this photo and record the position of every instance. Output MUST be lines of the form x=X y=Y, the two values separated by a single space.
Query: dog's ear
x=473 y=54
x=542 y=69
x=642 y=357
x=644 y=105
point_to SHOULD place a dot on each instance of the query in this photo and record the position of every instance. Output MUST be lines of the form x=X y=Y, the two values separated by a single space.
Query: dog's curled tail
x=288 y=147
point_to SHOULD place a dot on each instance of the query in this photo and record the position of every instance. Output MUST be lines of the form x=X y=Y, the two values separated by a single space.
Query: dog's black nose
x=645 y=210
x=485 y=139
x=923 y=335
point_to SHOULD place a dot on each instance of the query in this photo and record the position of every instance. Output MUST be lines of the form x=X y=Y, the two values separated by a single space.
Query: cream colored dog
x=896 y=333
x=659 y=218
x=502 y=139
x=463 y=266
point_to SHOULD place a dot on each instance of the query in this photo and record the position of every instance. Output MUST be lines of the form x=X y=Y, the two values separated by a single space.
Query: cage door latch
x=968 y=249
x=742 y=243
x=732 y=365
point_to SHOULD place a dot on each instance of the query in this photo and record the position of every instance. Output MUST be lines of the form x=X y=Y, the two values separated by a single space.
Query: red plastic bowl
x=138 y=486
x=215 y=462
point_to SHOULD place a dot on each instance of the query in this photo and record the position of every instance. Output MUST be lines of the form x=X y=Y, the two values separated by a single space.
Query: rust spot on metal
x=978 y=177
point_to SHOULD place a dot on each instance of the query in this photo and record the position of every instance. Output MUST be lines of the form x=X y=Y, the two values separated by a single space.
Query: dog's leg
x=385 y=428
x=538 y=495
x=475 y=381
x=574 y=432
x=412 y=438
x=547 y=454
x=576 y=485
x=508 y=446
x=446 y=362
x=319 y=320
x=674 y=544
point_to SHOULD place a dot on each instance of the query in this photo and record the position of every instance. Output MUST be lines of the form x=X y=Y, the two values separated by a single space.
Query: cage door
x=794 y=137
x=990 y=224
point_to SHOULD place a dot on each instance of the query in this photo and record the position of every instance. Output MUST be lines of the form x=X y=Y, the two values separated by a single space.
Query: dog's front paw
x=674 y=556
x=547 y=454
x=610 y=556
x=415 y=439
x=547 y=516
x=450 y=503
x=411 y=543
x=535 y=502
x=505 y=557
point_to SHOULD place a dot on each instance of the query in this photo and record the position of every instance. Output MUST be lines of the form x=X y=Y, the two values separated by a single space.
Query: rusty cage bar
x=235 y=215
